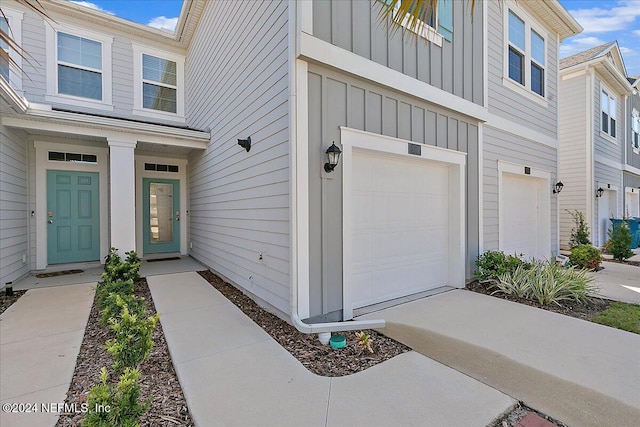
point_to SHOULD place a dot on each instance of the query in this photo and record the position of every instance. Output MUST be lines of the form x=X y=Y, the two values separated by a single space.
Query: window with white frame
x=525 y=53
x=11 y=23
x=4 y=64
x=159 y=83
x=438 y=25
x=608 y=108
x=635 y=130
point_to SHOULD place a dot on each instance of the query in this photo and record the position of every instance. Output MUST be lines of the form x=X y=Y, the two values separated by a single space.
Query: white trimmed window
x=635 y=130
x=438 y=26
x=525 y=52
x=608 y=117
x=159 y=83
x=11 y=23
x=79 y=68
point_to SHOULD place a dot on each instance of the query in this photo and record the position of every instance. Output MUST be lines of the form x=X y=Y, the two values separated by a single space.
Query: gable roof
x=587 y=55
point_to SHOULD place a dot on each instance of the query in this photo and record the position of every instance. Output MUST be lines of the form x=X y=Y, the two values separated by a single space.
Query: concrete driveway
x=619 y=282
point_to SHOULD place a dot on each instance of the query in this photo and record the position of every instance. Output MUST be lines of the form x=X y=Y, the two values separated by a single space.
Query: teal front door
x=73 y=217
x=161 y=215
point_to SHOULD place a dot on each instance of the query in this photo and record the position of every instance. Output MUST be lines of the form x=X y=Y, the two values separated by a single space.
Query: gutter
x=12 y=97
x=323 y=329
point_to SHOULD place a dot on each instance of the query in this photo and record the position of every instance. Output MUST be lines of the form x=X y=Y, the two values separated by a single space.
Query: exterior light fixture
x=245 y=143
x=558 y=187
x=599 y=192
x=333 y=153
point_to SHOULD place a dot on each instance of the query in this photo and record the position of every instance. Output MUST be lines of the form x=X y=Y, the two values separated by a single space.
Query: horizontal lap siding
x=336 y=100
x=573 y=156
x=499 y=145
x=14 y=229
x=239 y=201
x=355 y=25
x=511 y=104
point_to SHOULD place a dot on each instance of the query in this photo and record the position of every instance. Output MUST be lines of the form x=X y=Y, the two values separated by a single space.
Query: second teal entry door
x=161 y=215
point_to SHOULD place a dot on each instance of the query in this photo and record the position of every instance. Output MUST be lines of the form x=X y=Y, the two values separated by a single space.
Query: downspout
x=322 y=329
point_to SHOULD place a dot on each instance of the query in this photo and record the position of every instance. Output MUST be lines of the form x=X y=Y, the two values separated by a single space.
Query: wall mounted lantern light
x=558 y=187
x=245 y=143
x=599 y=192
x=333 y=153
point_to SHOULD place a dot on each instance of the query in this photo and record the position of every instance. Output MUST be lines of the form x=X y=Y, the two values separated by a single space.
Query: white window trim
x=52 y=94
x=603 y=134
x=423 y=29
x=138 y=110
x=635 y=122
x=529 y=24
x=14 y=20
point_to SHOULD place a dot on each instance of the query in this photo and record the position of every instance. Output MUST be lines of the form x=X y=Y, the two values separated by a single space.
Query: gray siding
x=607 y=175
x=338 y=100
x=573 y=166
x=499 y=145
x=604 y=147
x=511 y=104
x=633 y=159
x=455 y=67
x=13 y=205
x=631 y=180
x=239 y=201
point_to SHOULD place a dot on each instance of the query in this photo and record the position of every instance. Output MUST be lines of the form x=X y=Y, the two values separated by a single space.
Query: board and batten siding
x=606 y=175
x=502 y=146
x=239 y=203
x=512 y=104
x=631 y=180
x=604 y=145
x=572 y=166
x=456 y=67
x=633 y=158
x=335 y=100
x=14 y=227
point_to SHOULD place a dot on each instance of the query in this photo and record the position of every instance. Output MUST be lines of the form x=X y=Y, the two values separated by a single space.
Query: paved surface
x=619 y=282
x=579 y=372
x=40 y=337
x=233 y=373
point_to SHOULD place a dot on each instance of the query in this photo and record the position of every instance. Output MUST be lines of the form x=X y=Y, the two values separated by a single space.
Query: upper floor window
x=608 y=108
x=11 y=23
x=437 y=26
x=4 y=64
x=159 y=83
x=635 y=130
x=525 y=53
x=79 y=68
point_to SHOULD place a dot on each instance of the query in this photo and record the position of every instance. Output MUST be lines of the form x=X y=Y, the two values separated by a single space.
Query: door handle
x=50 y=221
x=177 y=215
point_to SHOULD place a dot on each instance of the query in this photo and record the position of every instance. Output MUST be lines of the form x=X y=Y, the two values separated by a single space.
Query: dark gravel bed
x=158 y=379
x=319 y=359
x=6 y=301
x=513 y=417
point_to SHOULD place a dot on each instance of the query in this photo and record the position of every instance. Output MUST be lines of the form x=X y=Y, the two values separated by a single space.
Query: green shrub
x=546 y=282
x=117 y=269
x=492 y=264
x=114 y=304
x=118 y=287
x=133 y=338
x=586 y=256
x=580 y=233
x=619 y=244
x=115 y=405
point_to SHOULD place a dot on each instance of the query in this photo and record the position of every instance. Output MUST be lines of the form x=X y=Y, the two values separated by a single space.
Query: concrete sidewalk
x=40 y=337
x=579 y=372
x=618 y=282
x=233 y=373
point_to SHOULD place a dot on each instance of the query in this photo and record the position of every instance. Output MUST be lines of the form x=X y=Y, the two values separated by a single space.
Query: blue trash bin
x=632 y=223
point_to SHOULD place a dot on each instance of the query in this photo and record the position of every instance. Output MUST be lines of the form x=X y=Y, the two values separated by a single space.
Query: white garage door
x=399 y=225
x=521 y=226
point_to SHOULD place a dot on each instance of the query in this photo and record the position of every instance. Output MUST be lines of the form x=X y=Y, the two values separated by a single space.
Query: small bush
x=620 y=240
x=492 y=264
x=546 y=282
x=133 y=338
x=586 y=256
x=118 y=287
x=117 y=269
x=580 y=233
x=115 y=405
x=114 y=304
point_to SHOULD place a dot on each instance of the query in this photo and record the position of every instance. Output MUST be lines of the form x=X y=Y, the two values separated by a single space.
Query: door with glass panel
x=161 y=215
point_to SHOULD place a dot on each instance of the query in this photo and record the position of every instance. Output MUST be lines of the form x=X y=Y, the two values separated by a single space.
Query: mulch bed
x=319 y=359
x=513 y=417
x=627 y=262
x=585 y=311
x=6 y=301
x=158 y=379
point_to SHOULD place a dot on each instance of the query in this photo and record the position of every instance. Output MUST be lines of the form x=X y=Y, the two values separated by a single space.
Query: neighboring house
x=593 y=138
x=448 y=145
x=631 y=168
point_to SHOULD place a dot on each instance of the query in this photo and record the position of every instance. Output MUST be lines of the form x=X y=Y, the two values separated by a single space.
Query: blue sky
x=602 y=20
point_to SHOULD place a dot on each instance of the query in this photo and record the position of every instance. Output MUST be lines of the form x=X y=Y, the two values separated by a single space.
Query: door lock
x=177 y=215
x=50 y=221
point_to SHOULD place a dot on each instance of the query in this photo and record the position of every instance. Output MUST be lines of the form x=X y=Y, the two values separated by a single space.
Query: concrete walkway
x=579 y=372
x=619 y=282
x=40 y=337
x=233 y=373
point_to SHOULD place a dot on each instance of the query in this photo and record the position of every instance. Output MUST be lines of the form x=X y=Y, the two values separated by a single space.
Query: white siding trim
x=305 y=11
x=333 y=56
x=631 y=169
x=480 y=188
x=519 y=130
x=42 y=165
x=609 y=162
x=352 y=138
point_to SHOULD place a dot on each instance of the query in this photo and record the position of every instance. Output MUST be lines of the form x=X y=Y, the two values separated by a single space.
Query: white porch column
x=123 y=194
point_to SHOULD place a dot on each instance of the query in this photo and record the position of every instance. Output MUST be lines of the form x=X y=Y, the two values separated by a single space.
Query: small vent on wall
x=161 y=168
x=73 y=157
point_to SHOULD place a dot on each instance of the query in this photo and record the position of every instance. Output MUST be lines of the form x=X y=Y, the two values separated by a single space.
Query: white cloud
x=637 y=33
x=91 y=6
x=578 y=44
x=625 y=51
x=164 y=23
x=598 y=20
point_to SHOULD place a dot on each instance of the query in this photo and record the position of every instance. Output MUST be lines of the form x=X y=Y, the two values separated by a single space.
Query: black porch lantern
x=599 y=192
x=333 y=153
x=558 y=187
